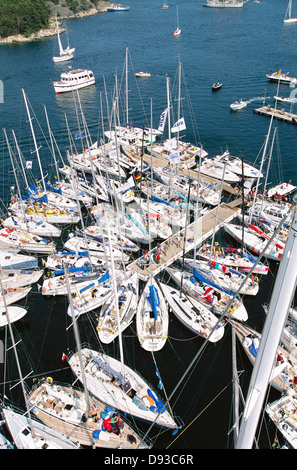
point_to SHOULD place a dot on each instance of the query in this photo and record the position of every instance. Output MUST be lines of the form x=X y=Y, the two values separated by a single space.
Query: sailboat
x=64 y=54
x=152 y=318
x=80 y=417
x=116 y=384
x=177 y=32
x=288 y=16
x=27 y=433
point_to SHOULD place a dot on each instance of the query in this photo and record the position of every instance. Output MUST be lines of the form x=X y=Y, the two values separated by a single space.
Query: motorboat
x=74 y=80
x=142 y=74
x=281 y=78
x=117 y=7
x=235 y=166
x=238 y=104
x=223 y=3
x=216 y=86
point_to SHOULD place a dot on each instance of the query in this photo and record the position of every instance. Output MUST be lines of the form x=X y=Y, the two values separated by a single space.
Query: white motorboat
x=193 y=314
x=284 y=99
x=238 y=104
x=234 y=165
x=108 y=327
x=210 y=167
x=142 y=74
x=14 y=312
x=271 y=212
x=74 y=80
x=127 y=392
x=118 y=7
x=223 y=3
x=152 y=319
x=281 y=190
x=281 y=78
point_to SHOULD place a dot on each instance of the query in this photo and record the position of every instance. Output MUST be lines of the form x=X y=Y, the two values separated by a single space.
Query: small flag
x=162 y=120
x=29 y=164
x=63 y=357
x=179 y=125
x=124 y=187
x=79 y=136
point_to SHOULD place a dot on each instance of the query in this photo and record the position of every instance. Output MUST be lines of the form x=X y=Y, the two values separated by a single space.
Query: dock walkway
x=172 y=248
x=279 y=114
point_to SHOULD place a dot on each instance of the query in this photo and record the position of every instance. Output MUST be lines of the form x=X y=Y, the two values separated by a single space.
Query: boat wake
x=258 y=98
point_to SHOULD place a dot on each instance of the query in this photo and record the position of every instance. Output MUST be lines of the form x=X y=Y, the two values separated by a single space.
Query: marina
x=147 y=230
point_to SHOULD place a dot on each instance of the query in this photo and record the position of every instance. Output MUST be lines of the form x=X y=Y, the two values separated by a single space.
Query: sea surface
x=235 y=46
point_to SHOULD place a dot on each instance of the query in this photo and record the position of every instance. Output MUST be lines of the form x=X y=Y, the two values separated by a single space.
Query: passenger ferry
x=74 y=80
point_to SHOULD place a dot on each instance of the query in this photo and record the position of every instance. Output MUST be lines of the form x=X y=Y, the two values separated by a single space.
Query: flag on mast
x=179 y=125
x=162 y=120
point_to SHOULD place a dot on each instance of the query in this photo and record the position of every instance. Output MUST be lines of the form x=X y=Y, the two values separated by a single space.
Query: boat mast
x=280 y=303
x=34 y=139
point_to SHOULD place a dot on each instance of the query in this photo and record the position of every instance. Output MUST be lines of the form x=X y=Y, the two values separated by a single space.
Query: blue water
x=235 y=46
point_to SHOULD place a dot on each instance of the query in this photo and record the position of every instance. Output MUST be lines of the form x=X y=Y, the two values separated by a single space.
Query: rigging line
x=198 y=416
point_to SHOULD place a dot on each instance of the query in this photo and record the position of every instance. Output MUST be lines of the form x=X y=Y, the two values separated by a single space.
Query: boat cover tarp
x=154 y=300
x=201 y=278
x=33 y=192
x=74 y=270
x=102 y=279
x=158 y=199
x=103 y=365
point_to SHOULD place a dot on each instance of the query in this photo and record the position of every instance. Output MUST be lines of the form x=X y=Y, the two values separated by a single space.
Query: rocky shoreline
x=51 y=31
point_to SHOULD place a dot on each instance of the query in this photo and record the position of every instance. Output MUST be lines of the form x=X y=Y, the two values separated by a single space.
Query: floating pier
x=279 y=114
x=195 y=233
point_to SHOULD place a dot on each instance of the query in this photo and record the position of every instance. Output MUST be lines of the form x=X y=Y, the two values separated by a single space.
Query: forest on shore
x=26 y=17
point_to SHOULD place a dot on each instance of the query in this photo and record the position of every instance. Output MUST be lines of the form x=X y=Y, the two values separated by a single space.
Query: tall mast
x=34 y=139
x=283 y=292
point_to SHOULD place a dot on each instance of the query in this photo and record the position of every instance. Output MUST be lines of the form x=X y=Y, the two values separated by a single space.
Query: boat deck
x=173 y=248
x=163 y=162
x=279 y=114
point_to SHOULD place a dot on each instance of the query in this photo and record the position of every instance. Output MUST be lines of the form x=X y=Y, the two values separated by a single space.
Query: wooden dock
x=279 y=114
x=172 y=248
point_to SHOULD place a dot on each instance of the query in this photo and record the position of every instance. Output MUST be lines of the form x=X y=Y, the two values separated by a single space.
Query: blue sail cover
x=108 y=369
x=102 y=279
x=33 y=192
x=154 y=300
x=201 y=278
x=74 y=270
x=158 y=199
x=55 y=190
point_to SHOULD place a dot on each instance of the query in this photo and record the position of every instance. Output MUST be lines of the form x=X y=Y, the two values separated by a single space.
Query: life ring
x=49 y=380
x=256 y=279
x=230 y=310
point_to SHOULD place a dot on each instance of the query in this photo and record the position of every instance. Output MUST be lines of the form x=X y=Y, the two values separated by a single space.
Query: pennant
x=29 y=164
x=129 y=184
x=179 y=125
x=63 y=357
x=160 y=384
x=162 y=120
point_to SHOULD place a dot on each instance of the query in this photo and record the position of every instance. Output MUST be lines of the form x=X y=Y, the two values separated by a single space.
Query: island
x=29 y=20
